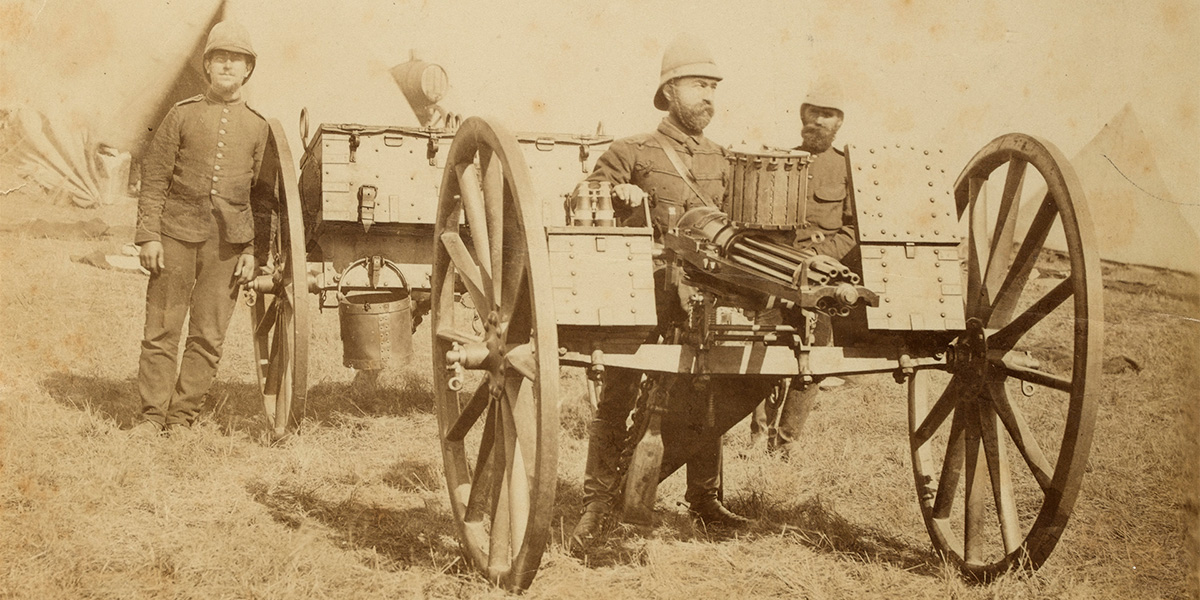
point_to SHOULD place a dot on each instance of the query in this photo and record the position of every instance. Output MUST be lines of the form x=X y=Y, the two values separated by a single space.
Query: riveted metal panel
x=904 y=193
x=602 y=279
x=920 y=287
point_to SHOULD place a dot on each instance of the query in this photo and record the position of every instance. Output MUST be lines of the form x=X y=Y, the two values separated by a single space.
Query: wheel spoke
x=267 y=320
x=1007 y=336
x=1006 y=225
x=520 y=444
x=974 y=494
x=485 y=494
x=951 y=468
x=470 y=413
x=937 y=414
x=1011 y=366
x=998 y=472
x=521 y=358
x=1010 y=291
x=473 y=206
x=279 y=356
x=514 y=286
x=977 y=244
x=1021 y=435
x=500 y=545
x=522 y=405
x=451 y=335
x=494 y=200
x=468 y=270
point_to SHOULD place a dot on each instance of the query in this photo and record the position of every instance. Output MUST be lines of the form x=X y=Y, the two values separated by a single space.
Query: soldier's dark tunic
x=829 y=208
x=640 y=160
x=197 y=178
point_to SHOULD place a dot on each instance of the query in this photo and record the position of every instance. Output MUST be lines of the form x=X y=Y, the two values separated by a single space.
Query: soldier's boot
x=713 y=513
x=589 y=530
x=601 y=482
x=705 y=488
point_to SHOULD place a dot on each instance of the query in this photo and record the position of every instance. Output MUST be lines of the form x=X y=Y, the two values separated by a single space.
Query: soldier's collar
x=215 y=99
x=672 y=131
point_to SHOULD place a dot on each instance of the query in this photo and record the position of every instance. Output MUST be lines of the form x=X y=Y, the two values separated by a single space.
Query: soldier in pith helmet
x=828 y=228
x=642 y=168
x=196 y=229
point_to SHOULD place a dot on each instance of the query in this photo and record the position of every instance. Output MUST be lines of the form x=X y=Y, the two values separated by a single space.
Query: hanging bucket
x=376 y=329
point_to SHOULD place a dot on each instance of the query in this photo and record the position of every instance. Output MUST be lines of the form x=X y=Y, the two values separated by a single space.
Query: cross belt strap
x=680 y=168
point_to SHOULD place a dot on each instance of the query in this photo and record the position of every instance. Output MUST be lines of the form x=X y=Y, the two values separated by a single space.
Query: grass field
x=357 y=508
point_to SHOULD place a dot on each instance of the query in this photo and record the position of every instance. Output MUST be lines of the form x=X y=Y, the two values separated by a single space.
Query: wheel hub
x=968 y=355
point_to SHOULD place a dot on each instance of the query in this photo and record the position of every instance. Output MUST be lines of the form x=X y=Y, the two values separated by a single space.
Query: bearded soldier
x=640 y=169
x=828 y=228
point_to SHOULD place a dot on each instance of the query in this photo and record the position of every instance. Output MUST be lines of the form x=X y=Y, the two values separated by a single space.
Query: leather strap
x=682 y=169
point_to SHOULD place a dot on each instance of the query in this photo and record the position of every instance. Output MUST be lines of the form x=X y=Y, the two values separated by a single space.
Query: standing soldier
x=829 y=229
x=675 y=168
x=196 y=231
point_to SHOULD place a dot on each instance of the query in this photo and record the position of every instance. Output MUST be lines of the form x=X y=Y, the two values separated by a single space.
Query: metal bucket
x=376 y=328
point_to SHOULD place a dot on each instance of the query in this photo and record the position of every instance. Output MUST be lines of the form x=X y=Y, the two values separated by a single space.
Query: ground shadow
x=405 y=393
x=810 y=523
x=407 y=537
x=236 y=406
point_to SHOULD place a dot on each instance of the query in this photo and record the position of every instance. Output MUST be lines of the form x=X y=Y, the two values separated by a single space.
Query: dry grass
x=356 y=507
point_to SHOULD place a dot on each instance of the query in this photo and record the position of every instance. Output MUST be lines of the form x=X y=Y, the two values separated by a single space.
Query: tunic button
x=216 y=167
x=224 y=120
x=224 y=110
x=220 y=144
x=219 y=155
x=214 y=190
x=222 y=132
x=214 y=178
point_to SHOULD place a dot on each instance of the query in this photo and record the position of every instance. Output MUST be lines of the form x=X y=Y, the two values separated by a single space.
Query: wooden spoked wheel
x=1000 y=441
x=496 y=391
x=280 y=317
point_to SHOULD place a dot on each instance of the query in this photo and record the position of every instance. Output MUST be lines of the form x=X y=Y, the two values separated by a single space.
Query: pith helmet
x=687 y=56
x=229 y=36
x=825 y=92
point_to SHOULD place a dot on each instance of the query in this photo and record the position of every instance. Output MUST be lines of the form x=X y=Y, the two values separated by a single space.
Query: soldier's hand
x=150 y=254
x=244 y=271
x=630 y=194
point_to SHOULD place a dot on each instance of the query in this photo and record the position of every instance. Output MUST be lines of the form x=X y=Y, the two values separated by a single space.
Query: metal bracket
x=354 y=142
x=366 y=204
x=374 y=266
x=431 y=150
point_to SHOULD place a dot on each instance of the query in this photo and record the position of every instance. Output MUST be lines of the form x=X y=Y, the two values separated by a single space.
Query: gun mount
x=735 y=262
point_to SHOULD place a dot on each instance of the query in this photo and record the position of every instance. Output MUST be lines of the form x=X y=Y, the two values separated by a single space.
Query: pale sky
x=950 y=74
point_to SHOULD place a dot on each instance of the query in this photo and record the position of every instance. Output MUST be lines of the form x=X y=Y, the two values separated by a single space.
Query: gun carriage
x=521 y=283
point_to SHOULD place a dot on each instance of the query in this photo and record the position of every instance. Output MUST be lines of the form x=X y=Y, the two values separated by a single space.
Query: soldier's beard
x=693 y=118
x=817 y=139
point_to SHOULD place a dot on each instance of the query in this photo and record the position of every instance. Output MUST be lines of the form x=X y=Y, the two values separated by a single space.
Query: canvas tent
x=1137 y=218
x=86 y=82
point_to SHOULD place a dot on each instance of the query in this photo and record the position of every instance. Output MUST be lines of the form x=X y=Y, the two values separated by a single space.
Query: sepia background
x=356 y=506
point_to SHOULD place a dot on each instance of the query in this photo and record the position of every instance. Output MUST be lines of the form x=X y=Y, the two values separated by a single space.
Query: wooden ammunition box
x=371 y=175
x=602 y=275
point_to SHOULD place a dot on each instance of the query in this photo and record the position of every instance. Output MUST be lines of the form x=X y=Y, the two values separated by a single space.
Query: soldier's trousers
x=607 y=438
x=197 y=285
x=782 y=416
